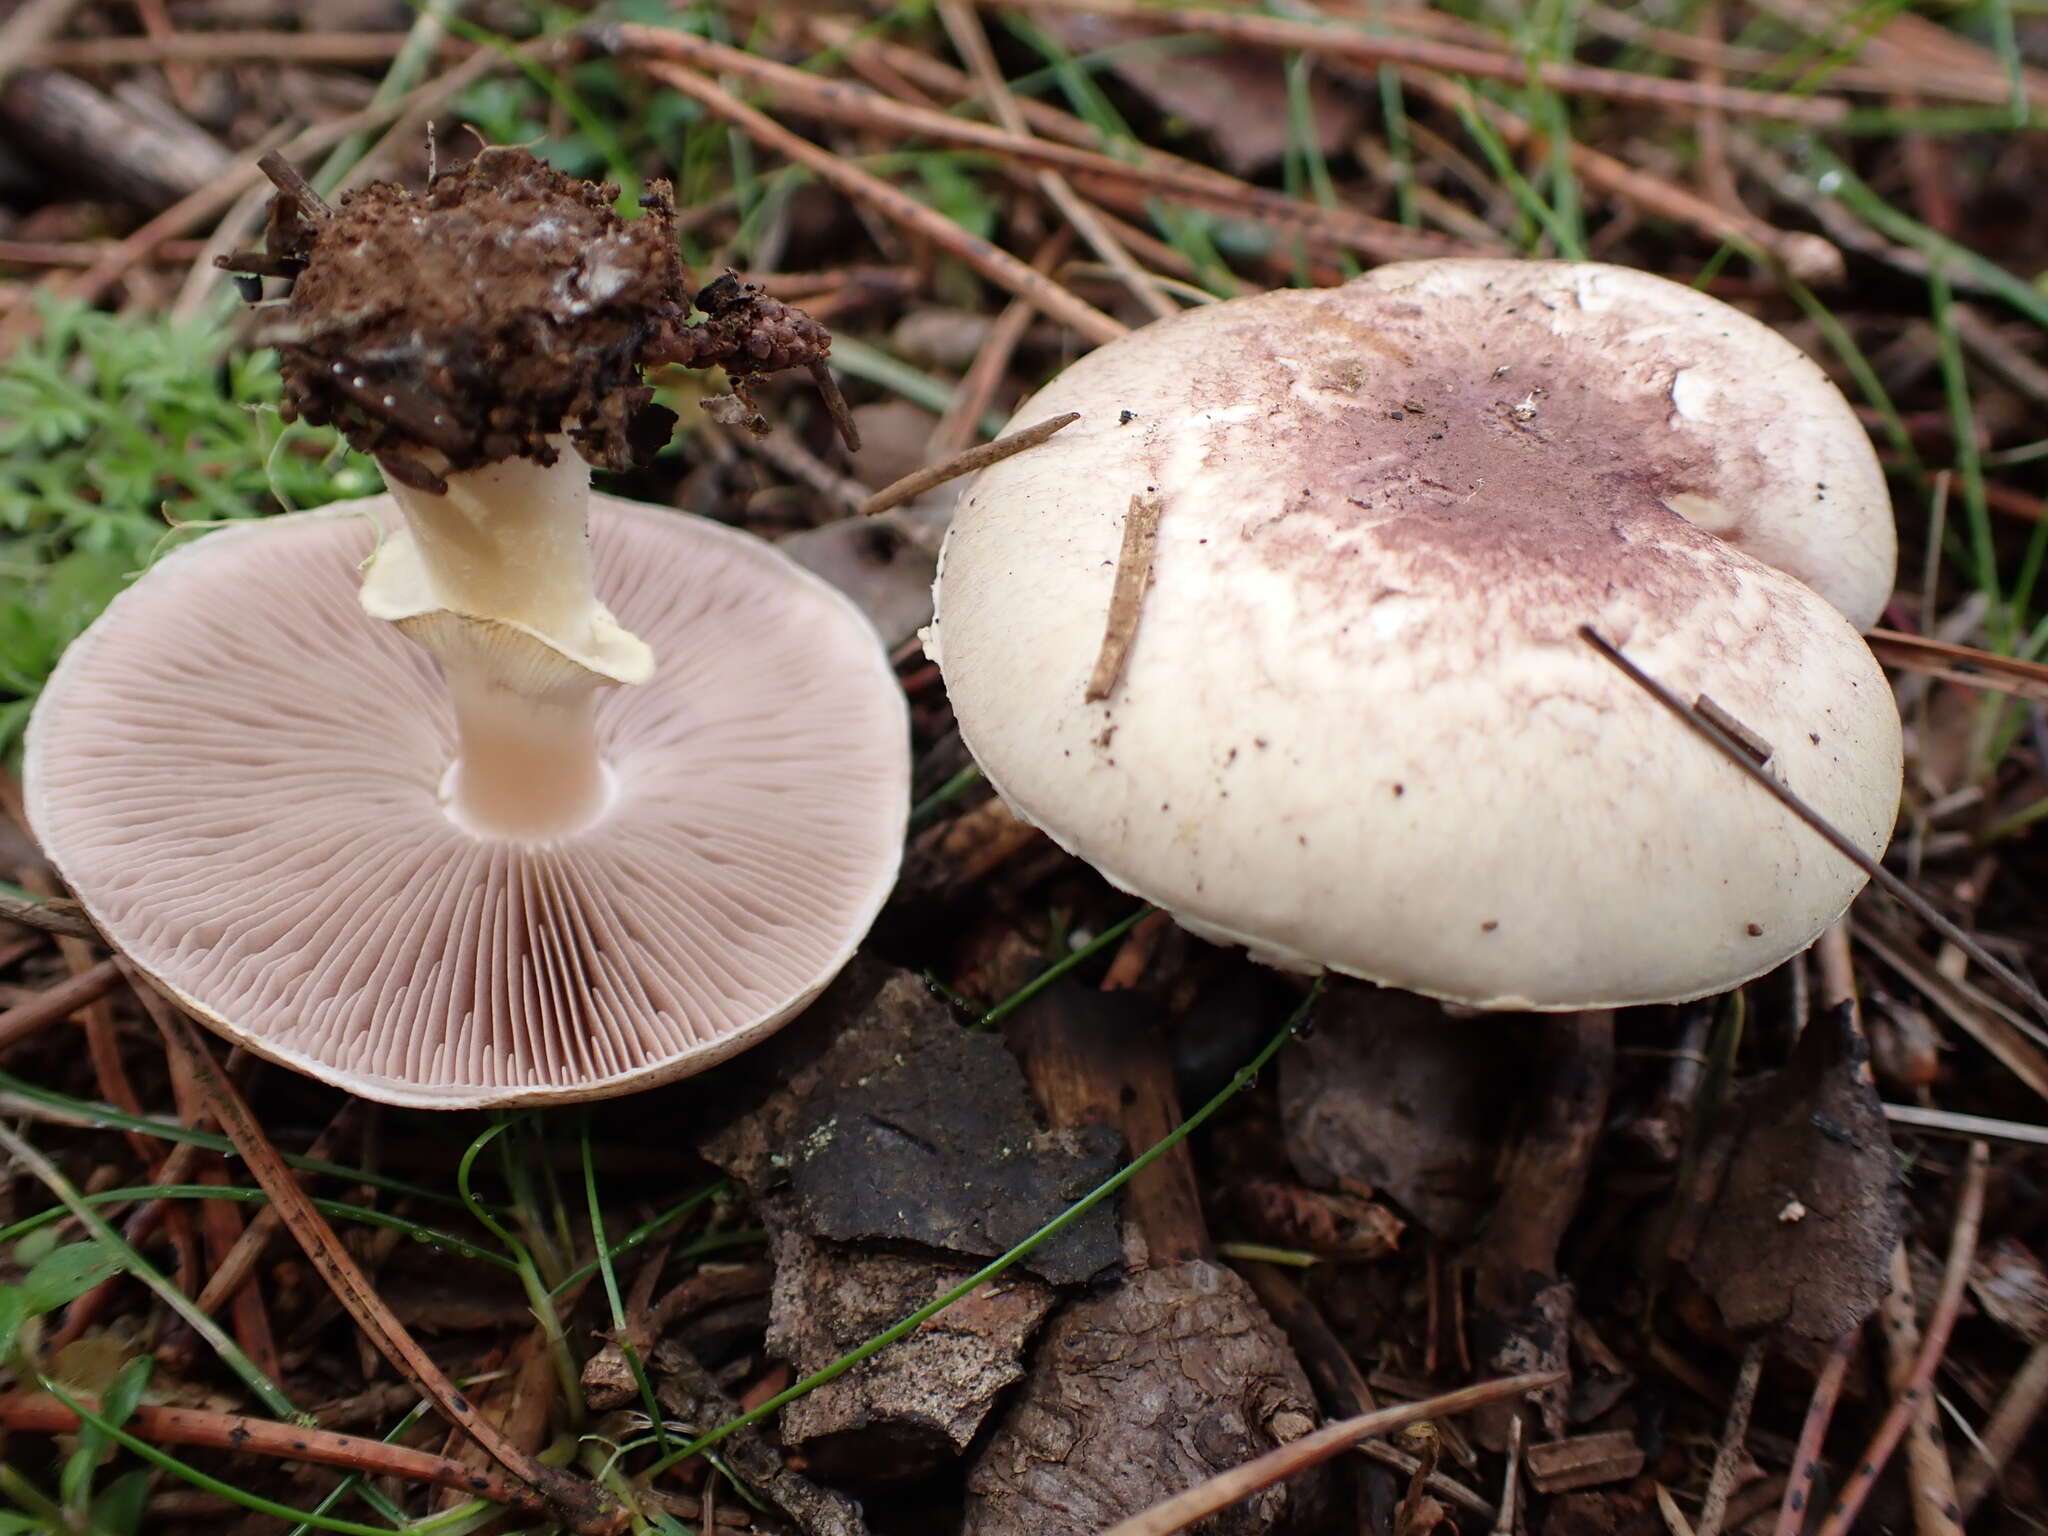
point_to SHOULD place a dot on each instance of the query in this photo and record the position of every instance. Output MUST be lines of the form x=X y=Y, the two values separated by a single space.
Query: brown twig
x=1717 y=180
x=54 y=1002
x=1510 y=1482
x=694 y=1397
x=1373 y=48
x=1959 y=78
x=1919 y=653
x=34 y=1413
x=1813 y=1434
x=584 y=1506
x=1132 y=958
x=1928 y=1473
x=26 y=29
x=290 y=183
x=1734 y=1436
x=1905 y=48
x=97 y=1019
x=1943 y=1122
x=999 y=266
x=1127 y=594
x=1948 y=1301
x=1806 y=256
x=918 y=481
x=1340 y=1386
x=175 y=1167
x=1919 y=905
x=971 y=42
x=190 y=213
x=2004 y=1430
x=1927 y=1466
x=835 y=404
x=1515 y=1262
x=1227 y=1488
x=2002 y=1032
x=65 y=922
x=233 y=1270
x=83 y=253
x=960 y=423
x=338 y=48
x=156 y=22
x=845 y=102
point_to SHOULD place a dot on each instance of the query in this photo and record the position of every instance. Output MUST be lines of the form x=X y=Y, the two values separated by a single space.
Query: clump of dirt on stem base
x=505 y=304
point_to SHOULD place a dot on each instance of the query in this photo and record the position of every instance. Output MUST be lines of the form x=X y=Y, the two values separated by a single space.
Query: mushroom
x=1351 y=721
x=501 y=849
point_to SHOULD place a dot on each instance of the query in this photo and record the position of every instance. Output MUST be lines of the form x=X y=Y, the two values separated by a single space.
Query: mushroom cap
x=238 y=774
x=1357 y=726
x=1745 y=435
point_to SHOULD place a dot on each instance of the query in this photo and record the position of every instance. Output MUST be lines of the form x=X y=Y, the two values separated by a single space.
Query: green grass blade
x=267 y=1391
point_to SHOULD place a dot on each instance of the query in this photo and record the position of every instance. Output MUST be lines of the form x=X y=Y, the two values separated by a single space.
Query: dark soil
x=474 y=321
x=476 y=318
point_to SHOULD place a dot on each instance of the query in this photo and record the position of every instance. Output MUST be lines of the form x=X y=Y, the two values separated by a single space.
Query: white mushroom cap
x=240 y=779
x=1357 y=726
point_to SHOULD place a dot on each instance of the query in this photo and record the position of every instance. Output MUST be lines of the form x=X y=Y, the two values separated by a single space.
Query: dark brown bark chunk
x=912 y=1409
x=857 y=1063
x=941 y=1150
x=1137 y=1395
x=1802 y=1233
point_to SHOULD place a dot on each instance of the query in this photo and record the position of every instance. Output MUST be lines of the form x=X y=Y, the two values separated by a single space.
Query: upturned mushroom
x=614 y=791
x=1284 y=634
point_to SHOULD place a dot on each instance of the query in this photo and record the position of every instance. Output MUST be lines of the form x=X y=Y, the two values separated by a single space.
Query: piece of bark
x=909 y=1411
x=1170 y=1378
x=1391 y=1094
x=145 y=155
x=1584 y=1461
x=939 y=1149
x=1630 y=1511
x=915 y=1407
x=1174 y=1375
x=959 y=853
x=1801 y=1233
x=1522 y=1313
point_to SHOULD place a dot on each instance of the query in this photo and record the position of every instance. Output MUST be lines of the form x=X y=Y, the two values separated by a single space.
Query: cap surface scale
x=1357 y=726
x=240 y=778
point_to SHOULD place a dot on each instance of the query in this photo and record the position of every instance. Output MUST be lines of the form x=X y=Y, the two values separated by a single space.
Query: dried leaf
x=1802 y=1231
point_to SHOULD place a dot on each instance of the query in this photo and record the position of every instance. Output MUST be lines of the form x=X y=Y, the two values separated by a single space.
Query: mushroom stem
x=526 y=768
x=510 y=541
x=494 y=577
